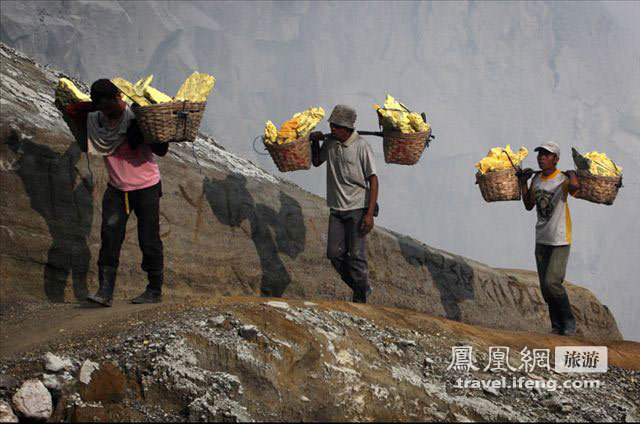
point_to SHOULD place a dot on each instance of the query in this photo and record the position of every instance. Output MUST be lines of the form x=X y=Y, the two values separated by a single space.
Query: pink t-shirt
x=132 y=169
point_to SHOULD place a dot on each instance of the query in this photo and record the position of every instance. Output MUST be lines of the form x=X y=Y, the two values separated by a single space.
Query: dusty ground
x=194 y=359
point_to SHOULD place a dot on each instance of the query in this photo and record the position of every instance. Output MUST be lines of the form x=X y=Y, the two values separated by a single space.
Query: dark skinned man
x=134 y=186
x=548 y=193
x=352 y=193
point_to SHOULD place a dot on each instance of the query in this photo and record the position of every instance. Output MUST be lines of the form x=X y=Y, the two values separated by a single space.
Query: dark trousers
x=552 y=265
x=146 y=205
x=346 y=249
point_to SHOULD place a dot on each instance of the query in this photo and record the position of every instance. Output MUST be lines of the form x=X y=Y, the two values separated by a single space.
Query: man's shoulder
x=360 y=141
x=329 y=142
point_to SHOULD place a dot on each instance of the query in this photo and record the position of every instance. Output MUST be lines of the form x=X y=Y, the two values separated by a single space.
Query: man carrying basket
x=548 y=193
x=352 y=193
x=134 y=185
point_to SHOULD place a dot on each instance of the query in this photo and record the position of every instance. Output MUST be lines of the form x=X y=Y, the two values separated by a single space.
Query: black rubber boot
x=568 y=320
x=107 y=281
x=360 y=296
x=557 y=326
x=153 y=292
x=80 y=287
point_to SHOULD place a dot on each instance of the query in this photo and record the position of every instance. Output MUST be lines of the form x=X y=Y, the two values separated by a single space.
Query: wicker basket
x=499 y=185
x=173 y=121
x=291 y=156
x=76 y=131
x=404 y=149
x=598 y=189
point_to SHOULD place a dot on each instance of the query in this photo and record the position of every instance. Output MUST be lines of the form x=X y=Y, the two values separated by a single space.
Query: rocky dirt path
x=34 y=326
x=248 y=358
x=45 y=324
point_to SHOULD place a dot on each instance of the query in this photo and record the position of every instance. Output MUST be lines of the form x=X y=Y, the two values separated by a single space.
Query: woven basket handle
x=254 y=146
x=615 y=166
x=509 y=157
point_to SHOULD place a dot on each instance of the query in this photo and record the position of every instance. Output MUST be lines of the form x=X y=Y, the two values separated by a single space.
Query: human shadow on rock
x=232 y=203
x=64 y=199
x=452 y=278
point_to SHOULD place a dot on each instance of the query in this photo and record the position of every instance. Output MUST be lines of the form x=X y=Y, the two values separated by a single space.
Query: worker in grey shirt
x=352 y=193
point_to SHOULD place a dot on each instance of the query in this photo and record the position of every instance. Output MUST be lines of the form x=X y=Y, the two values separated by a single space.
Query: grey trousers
x=346 y=250
x=552 y=265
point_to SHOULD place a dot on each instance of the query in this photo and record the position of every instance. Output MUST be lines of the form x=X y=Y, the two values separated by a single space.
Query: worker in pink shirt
x=134 y=186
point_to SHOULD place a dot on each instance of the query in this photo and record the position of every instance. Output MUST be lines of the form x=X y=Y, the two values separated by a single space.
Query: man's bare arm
x=367 y=222
x=527 y=194
x=315 y=138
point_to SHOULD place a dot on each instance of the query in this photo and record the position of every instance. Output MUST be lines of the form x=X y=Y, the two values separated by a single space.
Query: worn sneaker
x=149 y=296
x=100 y=299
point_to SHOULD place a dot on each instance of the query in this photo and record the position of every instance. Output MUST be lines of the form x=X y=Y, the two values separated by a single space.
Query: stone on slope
x=33 y=400
x=6 y=413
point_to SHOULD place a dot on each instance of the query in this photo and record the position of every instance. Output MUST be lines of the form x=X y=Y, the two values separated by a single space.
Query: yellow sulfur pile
x=196 y=88
x=497 y=160
x=395 y=116
x=135 y=92
x=599 y=164
x=67 y=92
x=298 y=126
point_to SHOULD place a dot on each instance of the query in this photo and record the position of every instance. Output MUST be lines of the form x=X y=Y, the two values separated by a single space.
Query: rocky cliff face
x=228 y=228
x=485 y=73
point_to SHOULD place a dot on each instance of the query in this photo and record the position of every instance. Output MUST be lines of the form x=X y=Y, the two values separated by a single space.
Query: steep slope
x=486 y=73
x=228 y=228
x=241 y=359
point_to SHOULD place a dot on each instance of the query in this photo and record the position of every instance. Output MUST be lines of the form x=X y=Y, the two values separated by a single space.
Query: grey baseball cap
x=343 y=115
x=549 y=146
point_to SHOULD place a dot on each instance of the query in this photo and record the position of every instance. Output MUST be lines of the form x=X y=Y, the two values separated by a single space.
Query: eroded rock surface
x=228 y=228
x=328 y=361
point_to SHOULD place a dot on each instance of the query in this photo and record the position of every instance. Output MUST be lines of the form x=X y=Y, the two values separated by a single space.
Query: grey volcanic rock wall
x=228 y=227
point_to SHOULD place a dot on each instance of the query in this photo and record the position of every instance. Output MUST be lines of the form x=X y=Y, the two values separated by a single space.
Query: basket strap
x=183 y=114
x=619 y=173
x=193 y=150
x=254 y=146
x=509 y=157
x=89 y=166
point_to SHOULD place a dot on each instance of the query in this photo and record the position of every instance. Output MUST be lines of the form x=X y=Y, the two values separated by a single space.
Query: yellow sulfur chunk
x=601 y=165
x=308 y=120
x=396 y=116
x=196 y=88
x=270 y=132
x=300 y=125
x=497 y=160
x=67 y=92
x=288 y=131
x=416 y=122
x=131 y=91
x=142 y=83
x=155 y=95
